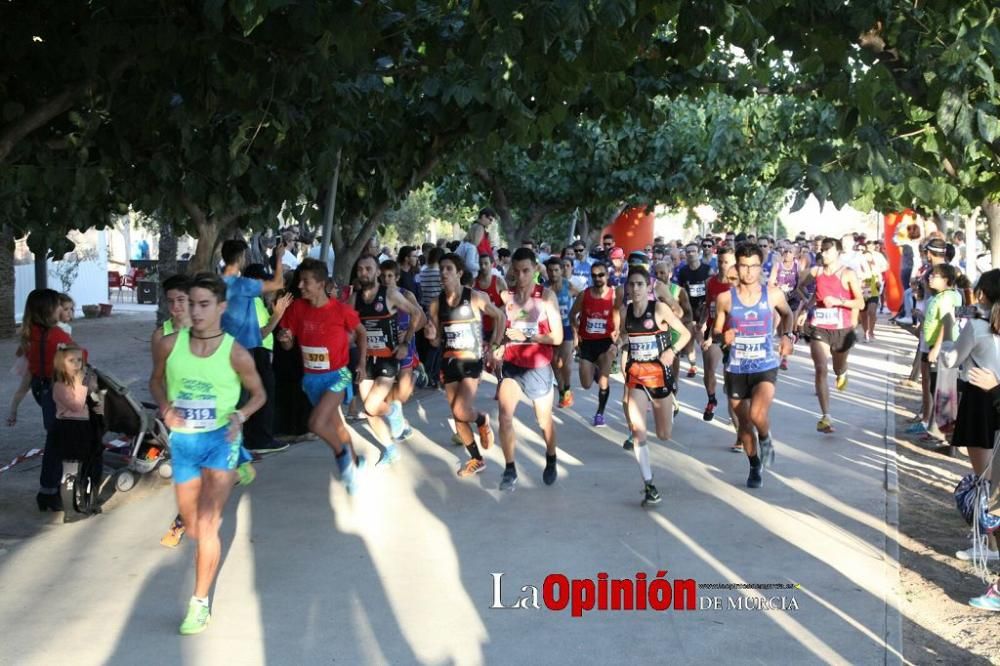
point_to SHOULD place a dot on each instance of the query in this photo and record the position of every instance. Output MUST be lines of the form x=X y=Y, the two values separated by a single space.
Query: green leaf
x=989 y=126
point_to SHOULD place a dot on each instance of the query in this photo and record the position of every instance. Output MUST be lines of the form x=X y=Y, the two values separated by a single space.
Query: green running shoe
x=196 y=620
x=245 y=474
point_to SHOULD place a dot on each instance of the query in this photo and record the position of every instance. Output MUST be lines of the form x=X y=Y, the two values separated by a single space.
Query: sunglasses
x=578 y=249
x=598 y=275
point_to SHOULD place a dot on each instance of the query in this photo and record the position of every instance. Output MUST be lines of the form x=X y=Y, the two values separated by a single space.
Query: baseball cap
x=937 y=246
x=638 y=258
x=616 y=253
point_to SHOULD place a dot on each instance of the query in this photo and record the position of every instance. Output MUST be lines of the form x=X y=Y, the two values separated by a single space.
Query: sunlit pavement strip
x=403 y=572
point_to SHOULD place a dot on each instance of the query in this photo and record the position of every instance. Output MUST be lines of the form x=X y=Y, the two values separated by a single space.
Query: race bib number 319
x=197 y=414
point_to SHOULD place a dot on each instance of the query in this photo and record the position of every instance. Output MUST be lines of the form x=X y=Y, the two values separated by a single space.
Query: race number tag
x=696 y=289
x=643 y=350
x=827 y=317
x=459 y=336
x=749 y=348
x=315 y=358
x=528 y=328
x=197 y=414
x=597 y=326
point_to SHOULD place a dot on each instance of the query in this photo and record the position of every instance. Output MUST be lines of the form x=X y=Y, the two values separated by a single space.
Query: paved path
x=402 y=573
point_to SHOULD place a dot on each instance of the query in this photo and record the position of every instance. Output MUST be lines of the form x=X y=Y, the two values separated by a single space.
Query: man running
x=389 y=274
x=196 y=380
x=377 y=306
x=785 y=276
x=457 y=323
x=830 y=330
x=534 y=328
x=323 y=326
x=747 y=311
x=648 y=325
x=565 y=294
x=492 y=286
x=692 y=278
x=711 y=353
x=596 y=319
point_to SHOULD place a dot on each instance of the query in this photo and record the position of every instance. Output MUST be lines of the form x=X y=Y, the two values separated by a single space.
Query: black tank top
x=461 y=327
x=645 y=339
x=381 y=327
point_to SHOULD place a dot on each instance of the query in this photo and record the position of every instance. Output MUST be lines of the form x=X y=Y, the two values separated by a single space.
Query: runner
x=534 y=327
x=785 y=277
x=196 y=380
x=323 y=326
x=747 y=310
x=711 y=353
x=664 y=271
x=457 y=317
x=565 y=295
x=492 y=286
x=595 y=317
x=377 y=307
x=692 y=278
x=404 y=381
x=830 y=330
x=175 y=289
x=648 y=325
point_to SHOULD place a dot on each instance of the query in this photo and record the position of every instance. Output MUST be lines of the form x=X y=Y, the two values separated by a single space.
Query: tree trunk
x=166 y=265
x=7 y=328
x=208 y=235
x=992 y=211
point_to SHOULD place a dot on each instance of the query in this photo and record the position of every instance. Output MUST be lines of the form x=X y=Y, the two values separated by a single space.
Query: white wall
x=90 y=286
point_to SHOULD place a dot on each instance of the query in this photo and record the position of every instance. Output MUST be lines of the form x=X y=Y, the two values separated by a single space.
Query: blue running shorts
x=191 y=452
x=316 y=384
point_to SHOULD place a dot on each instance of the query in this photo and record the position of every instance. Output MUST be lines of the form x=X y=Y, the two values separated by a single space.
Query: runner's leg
x=216 y=485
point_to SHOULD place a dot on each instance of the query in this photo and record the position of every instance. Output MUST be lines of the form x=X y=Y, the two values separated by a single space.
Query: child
x=938 y=327
x=74 y=435
x=65 y=313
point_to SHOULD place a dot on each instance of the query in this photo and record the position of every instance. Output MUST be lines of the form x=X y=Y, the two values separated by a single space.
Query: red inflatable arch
x=633 y=229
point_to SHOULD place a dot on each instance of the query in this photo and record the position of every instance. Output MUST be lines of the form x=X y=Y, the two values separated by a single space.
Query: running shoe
x=677 y=407
x=485 y=433
x=174 y=535
x=824 y=425
x=841 y=382
x=737 y=447
x=766 y=452
x=566 y=399
x=629 y=444
x=599 y=420
x=917 y=428
x=508 y=481
x=395 y=418
x=245 y=474
x=351 y=476
x=755 y=480
x=614 y=366
x=709 y=411
x=406 y=434
x=990 y=600
x=472 y=467
x=456 y=439
x=651 y=495
x=550 y=472
x=784 y=364
x=196 y=620
x=969 y=554
x=389 y=456
x=692 y=371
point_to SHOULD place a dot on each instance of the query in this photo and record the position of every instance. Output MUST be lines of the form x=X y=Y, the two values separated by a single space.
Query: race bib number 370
x=315 y=358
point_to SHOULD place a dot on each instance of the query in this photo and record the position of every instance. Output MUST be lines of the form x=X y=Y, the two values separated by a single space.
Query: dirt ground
x=938 y=624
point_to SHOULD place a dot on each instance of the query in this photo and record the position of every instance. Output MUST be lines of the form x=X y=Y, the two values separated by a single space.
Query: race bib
x=786 y=289
x=315 y=358
x=528 y=328
x=749 y=348
x=597 y=326
x=643 y=350
x=696 y=290
x=827 y=317
x=459 y=336
x=197 y=414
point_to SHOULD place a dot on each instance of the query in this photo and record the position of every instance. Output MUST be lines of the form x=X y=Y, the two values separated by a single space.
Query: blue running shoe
x=406 y=434
x=351 y=476
x=395 y=418
x=389 y=456
x=917 y=428
x=989 y=601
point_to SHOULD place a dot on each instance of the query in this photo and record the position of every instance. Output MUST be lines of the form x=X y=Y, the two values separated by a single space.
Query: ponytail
x=995 y=318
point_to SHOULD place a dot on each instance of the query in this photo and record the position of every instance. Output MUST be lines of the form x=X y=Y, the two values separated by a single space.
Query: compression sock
x=509 y=467
x=711 y=398
x=602 y=399
x=642 y=457
x=474 y=451
x=480 y=419
x=754 y=460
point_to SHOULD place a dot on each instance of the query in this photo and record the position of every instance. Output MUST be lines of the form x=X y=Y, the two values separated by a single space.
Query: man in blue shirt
x=240 y=321
x=581 y=262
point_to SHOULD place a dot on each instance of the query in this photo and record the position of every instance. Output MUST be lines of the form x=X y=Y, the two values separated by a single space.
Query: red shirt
x=322 y=333
x=596 y=321
x=494 y=296
x=54 y=337
x=484 y=246
x=714 y=287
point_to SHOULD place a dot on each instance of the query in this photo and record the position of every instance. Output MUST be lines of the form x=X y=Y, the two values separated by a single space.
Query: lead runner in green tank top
x=196 y=380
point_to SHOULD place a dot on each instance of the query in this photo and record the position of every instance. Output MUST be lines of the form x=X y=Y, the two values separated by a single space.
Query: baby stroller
x=146 y=436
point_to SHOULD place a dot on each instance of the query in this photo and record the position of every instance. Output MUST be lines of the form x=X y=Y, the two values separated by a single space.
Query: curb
x=893 y=637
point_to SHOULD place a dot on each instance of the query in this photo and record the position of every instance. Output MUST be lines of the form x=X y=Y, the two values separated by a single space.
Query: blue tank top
x=403 y=321
x=565 y=304
x=753 y=349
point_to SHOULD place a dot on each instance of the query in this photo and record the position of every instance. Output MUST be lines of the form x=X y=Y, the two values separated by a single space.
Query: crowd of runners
x=445 y=314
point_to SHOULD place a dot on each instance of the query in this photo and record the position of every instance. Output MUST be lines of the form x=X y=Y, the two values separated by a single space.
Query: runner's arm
x=551 y=305
x=574 y=312
x=361 y=341
x=397 y=299
x=665 y=315
x=857 y=300
x=158 y=376
x=721 y=312
x=244 y=366
x=280 y=306
x=616 y=318
x=481 y=302
x=432 y=313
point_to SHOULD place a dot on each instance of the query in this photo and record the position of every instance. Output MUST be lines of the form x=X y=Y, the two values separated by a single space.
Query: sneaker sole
x=479 y=470
x=984 y=605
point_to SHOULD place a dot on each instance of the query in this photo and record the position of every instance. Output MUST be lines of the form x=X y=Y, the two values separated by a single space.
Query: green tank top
x=263 y=316
x=168 y=327
x=203 y=390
